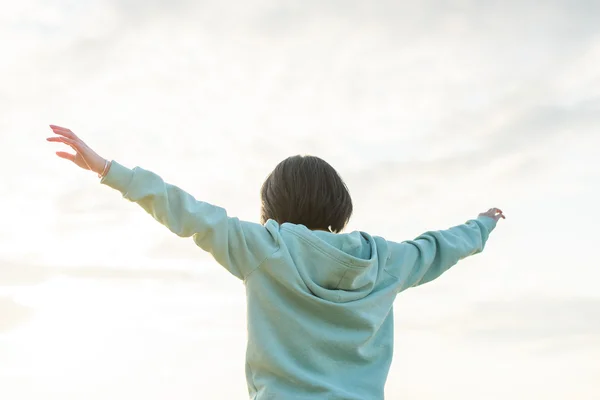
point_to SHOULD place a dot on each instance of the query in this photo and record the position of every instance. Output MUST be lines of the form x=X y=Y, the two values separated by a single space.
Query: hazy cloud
x=554 y=323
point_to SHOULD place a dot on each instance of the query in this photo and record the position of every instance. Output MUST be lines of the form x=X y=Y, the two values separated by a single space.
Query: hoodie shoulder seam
x=261 y=263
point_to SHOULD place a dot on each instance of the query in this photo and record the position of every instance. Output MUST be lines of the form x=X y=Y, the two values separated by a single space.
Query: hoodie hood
x=338 y=267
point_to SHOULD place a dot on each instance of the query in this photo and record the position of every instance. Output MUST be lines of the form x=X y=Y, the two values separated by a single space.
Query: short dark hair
x=306 y=190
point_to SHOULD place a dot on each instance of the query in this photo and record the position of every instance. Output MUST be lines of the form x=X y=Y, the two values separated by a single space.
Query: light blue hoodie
x=319 y=304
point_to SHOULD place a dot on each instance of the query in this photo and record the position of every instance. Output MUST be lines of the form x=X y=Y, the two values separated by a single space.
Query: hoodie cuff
x=118 y=177
x=488 y=222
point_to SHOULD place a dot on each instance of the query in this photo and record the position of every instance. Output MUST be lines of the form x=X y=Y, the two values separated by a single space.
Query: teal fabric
x=319 y=304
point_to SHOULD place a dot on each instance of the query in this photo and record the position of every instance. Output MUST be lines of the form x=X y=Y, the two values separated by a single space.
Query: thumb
x=66 y=156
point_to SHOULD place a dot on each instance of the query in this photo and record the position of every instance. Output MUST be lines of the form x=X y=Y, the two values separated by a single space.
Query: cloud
x=526 y=320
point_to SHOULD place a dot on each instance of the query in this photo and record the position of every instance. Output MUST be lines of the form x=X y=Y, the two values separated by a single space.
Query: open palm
x=84 y=156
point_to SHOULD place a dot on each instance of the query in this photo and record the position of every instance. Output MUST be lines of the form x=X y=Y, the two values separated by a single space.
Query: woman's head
x=306 y=190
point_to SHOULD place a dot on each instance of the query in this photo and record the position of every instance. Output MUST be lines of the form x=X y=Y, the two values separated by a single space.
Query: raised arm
x=418 y=261
x=237 y=245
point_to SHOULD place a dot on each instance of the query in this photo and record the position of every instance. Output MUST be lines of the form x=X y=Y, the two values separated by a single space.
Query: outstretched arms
x=418 y=261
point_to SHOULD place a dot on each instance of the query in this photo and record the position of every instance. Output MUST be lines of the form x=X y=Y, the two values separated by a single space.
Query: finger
x=61 y=139
x=59 y=130
x=74 y=144
x=499 y=215
x=66 y=156
x=59 y=127
x=64 y=132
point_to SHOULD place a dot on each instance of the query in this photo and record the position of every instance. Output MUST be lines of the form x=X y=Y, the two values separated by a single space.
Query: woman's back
x=319 y=317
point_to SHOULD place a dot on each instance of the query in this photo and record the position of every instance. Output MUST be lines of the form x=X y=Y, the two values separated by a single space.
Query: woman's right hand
x=84 y=156
x=494 y=213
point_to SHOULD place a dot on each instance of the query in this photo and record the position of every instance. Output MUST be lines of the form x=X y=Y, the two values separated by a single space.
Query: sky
x=431 y=111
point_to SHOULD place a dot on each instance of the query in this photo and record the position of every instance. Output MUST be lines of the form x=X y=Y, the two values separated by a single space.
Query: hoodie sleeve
x=418 y=261
x=238 y=246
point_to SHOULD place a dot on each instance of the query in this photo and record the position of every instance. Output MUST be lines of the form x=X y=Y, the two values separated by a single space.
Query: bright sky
x=432 y=113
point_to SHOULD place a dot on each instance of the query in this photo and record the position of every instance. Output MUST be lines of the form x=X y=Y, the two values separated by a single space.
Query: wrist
x=105 y=166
